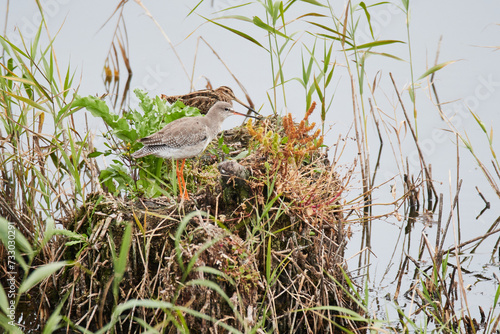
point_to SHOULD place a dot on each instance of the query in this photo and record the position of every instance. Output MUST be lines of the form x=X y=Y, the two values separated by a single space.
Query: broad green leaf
x=330 y=75
x=96 y=106
x=326 y=58
x=51 y=230
x=259 y=23
x=95 y=154
x=367 y=14
x=436 y=68
x=40 y=274
x=406 y=4
x=318 y=89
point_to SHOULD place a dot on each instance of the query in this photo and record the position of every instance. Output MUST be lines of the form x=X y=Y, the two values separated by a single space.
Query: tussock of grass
x=269 y=260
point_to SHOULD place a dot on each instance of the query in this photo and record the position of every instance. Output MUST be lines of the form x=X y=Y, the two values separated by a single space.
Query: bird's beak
x=246 y=115
x=244 y=105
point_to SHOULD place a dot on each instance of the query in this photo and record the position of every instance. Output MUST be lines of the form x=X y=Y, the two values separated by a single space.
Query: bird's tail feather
x=141 y=153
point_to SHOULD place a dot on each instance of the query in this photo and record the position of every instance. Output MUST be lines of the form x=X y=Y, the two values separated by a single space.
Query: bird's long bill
x=244 y=105
x=246 y=115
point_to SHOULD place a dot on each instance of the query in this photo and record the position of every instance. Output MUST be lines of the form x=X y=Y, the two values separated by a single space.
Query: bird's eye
x=227 y=109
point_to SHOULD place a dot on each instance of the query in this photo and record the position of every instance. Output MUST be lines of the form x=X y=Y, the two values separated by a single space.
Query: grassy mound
x=261 y=252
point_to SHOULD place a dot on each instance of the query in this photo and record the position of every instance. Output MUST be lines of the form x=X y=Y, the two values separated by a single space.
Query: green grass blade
x=194 y=8
x=384 y=54
x=6 y=324
x=4 y=302
x=27 y=101
x=327 y=29
x=259 y=23
x=120 y=264
x=314 y=2
x=478 y=120
x=14 y=48
x=40 y=274
x=53 y=323
x=237 y=32
x=368 y=18
x=21 y=244
x=196 y=255
x=374 y=44
x=178 y=234
x=436 y=68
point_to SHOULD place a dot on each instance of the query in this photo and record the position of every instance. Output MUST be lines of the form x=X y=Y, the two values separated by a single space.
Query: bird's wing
x=203 y=103
x=186 y=131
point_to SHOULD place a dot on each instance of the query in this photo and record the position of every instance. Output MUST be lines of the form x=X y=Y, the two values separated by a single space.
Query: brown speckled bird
x=204 y=99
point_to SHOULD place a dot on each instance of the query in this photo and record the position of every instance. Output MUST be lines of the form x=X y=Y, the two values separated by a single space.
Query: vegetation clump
x=257 y=263
x=290 y=161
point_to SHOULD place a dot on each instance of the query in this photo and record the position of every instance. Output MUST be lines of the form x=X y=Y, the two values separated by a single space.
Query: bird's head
x=224 y=110
x=225 y=90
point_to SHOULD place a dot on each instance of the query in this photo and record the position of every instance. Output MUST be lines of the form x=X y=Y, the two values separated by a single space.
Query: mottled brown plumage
x=206 y=98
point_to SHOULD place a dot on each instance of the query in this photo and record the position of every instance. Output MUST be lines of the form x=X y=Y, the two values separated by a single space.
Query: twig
x=401 y=271
x=495 y=168
x=429 y=189
x=455 y=201
x=440 y=215
x=487 y=204
x=472 y=240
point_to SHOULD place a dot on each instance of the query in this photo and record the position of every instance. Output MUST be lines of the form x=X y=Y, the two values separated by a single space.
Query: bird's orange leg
x=181 y=182
x=186 y=195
